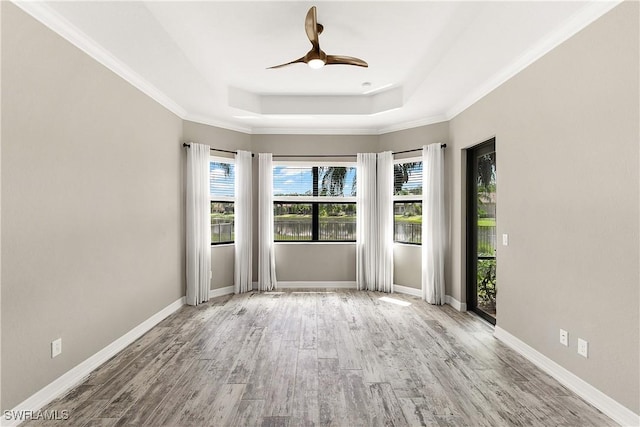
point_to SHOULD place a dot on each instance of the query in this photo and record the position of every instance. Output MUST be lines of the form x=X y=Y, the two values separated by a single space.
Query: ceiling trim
x=59 y=25
x=312 y=131
x=413 y=124
x=217 y=123
x=571 y=28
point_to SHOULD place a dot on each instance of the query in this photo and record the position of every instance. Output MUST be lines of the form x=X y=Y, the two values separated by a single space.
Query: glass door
x=481 y=230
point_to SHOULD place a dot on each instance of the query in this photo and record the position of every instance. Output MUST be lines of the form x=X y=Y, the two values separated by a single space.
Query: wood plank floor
x=340 y=358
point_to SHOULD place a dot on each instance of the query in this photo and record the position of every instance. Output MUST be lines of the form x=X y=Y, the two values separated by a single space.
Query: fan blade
x=288 y=63
x=311 y=27
x=345 y=60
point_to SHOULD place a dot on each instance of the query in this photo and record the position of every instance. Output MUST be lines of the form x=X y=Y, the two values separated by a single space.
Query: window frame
x=224 y=199
x=315 y=200
x=407 y=198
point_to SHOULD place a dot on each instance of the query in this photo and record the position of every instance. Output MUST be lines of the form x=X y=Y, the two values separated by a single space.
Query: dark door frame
x=473 y=153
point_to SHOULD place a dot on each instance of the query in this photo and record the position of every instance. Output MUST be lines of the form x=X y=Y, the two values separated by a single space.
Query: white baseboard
x=77 y=374
x=220 y=291
x=317 y=285
x=604 y=403
x=460 y=306
x=407 y=290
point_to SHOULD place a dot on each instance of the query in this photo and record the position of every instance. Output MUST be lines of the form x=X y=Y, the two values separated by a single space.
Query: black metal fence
x=221 y=231
x=302 y=230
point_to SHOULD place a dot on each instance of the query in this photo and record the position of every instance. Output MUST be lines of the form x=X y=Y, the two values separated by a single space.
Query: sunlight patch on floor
x=395 y=301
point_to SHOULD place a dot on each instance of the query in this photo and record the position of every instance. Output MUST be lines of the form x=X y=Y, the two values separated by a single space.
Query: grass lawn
x=486 y=222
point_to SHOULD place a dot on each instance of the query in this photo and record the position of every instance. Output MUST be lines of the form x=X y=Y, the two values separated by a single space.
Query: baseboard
x=604 y=403
x=77 y=374
x=460 y=306
x=317 y=285
x=407 y=290
x=220 y=291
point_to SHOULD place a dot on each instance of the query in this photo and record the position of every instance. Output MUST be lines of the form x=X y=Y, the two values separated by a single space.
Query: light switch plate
x=505 y=240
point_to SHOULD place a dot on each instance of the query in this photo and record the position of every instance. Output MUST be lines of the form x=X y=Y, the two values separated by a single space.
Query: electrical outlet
x=583 y=347
x=564 y=337
x=56 y=347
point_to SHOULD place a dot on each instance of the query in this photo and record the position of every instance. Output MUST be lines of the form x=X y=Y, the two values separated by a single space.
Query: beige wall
x=316 y=262
x=567 y=131
x=92 y=209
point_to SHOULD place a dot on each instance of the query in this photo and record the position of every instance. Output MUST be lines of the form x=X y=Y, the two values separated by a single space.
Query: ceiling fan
x=316 y=58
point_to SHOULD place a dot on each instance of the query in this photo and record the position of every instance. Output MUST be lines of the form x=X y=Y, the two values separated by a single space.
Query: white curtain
x=433 y=224
x=384 y=241
x=266 y=250
x=374 y=222
x=198 y=225
x=242 y=223
x=366 y=223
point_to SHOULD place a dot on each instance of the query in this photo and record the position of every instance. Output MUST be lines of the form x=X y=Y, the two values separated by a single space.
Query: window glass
x=337 y=221
x=314 y=202
x=292 y=221
x=407 y=222
x=292 y=181
x=222 y=194
x=407 y=206
x=407 y=178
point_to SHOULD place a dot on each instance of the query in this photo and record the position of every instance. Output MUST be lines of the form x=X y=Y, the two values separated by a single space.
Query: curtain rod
x=315 y=155
x=216 y=149
x=416 y=149
x=346 y=155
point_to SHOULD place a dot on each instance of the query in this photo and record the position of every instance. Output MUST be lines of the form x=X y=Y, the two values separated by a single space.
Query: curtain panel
x=366 y=225
x=266 y=250
x=374 y=222
x=243 y=223
x=433 y=224
x=384 y=211
x=198 y=217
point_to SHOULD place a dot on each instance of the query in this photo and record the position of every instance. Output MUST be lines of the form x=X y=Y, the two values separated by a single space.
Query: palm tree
x=402 y=173
x=333 y=178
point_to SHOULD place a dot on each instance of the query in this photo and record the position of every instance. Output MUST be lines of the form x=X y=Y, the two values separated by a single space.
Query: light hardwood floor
x=342 y=358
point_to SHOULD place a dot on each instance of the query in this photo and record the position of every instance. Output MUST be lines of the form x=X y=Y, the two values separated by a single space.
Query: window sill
x=415 y=245
x=222 y=245
x=316 y=242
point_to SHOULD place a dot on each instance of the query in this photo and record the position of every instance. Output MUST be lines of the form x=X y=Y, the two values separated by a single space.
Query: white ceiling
x=207 y=61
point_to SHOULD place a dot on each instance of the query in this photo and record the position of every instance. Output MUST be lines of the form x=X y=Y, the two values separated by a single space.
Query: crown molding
x=211 y=121
x=59 y=25
x=578 y=22
x=312 y=131
x=413 y=124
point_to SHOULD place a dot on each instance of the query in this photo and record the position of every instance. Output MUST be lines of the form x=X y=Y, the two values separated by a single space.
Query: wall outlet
x=564 y=337
x=583 y=347
x=56 y=347
x=505 y=240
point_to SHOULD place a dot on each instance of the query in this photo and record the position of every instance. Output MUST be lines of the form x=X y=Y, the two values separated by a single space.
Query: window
x=222 y=196
x=314 y=202
x=407 y=200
